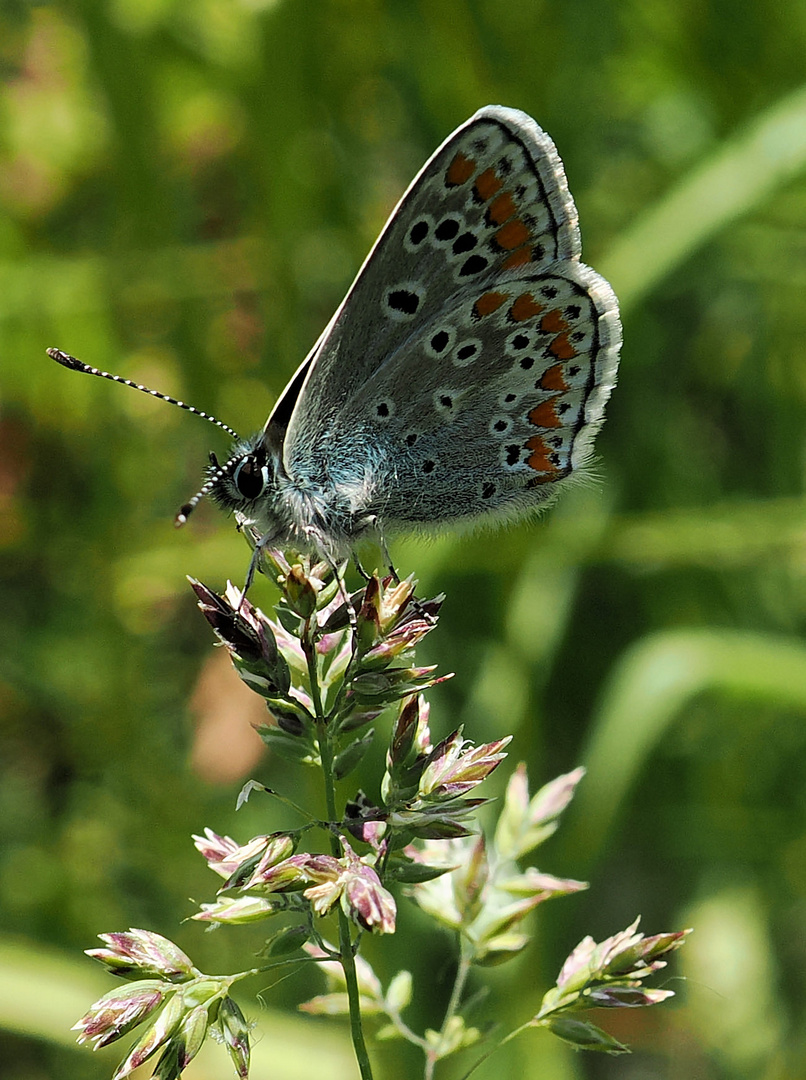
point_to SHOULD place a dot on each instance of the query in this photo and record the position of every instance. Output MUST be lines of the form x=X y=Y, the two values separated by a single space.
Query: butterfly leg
x=351 y=615
x=359 y=567
x=365 y=574
x=254 y=562
x=389 y=564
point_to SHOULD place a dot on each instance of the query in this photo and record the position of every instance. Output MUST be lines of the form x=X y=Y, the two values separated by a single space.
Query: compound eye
x=250 y=478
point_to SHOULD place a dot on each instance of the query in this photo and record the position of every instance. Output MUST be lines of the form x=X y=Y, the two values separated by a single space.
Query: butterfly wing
x=468 y=367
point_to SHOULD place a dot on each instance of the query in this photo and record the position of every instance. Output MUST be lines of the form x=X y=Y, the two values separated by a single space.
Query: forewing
x=491 y=201
x=467 y=371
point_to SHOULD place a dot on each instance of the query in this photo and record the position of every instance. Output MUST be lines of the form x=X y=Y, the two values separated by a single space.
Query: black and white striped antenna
x=221 y=471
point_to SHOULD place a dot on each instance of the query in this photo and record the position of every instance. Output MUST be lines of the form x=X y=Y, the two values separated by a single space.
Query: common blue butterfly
x=462 y=379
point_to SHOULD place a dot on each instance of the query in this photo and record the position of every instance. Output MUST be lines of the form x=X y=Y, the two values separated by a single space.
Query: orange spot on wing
x=562 y=348
x=553 y=322
x=487 y=304
x=512 y=235
x=553 y=378
x=460 y=170
x=501 y=209
x=545 y=415
x=539 y=458
x=525 y=307
x=486 y=185
x=518 y=258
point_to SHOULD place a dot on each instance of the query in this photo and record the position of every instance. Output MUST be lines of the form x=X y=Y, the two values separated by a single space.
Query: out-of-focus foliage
x=186 y=189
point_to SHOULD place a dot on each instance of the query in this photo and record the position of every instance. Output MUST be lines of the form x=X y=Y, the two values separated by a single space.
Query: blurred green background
x=186 y=190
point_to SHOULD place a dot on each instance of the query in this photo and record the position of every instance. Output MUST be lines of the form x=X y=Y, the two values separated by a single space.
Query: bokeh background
x=186 y=190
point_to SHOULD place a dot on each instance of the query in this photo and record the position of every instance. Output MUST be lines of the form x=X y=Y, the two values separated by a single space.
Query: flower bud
x=625 y=997
x=584 y=1036
x=300 y=591
x=145 y=954
x=248 y=635
x=456 y=766
x=191 y=1035
x=119 y=1011
x=366 y=901
x=154 y=1037
x=235 y=911
x=368 y=619
x=235 y=1031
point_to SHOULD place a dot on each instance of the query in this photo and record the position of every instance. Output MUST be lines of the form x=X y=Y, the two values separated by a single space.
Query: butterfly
x=464 y=376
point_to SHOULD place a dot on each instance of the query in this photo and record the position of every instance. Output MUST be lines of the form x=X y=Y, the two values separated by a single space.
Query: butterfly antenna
x=211 y=482
x=73 y=364
x=70 y=362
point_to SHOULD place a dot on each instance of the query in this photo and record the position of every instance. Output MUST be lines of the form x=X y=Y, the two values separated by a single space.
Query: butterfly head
x=245 y=478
